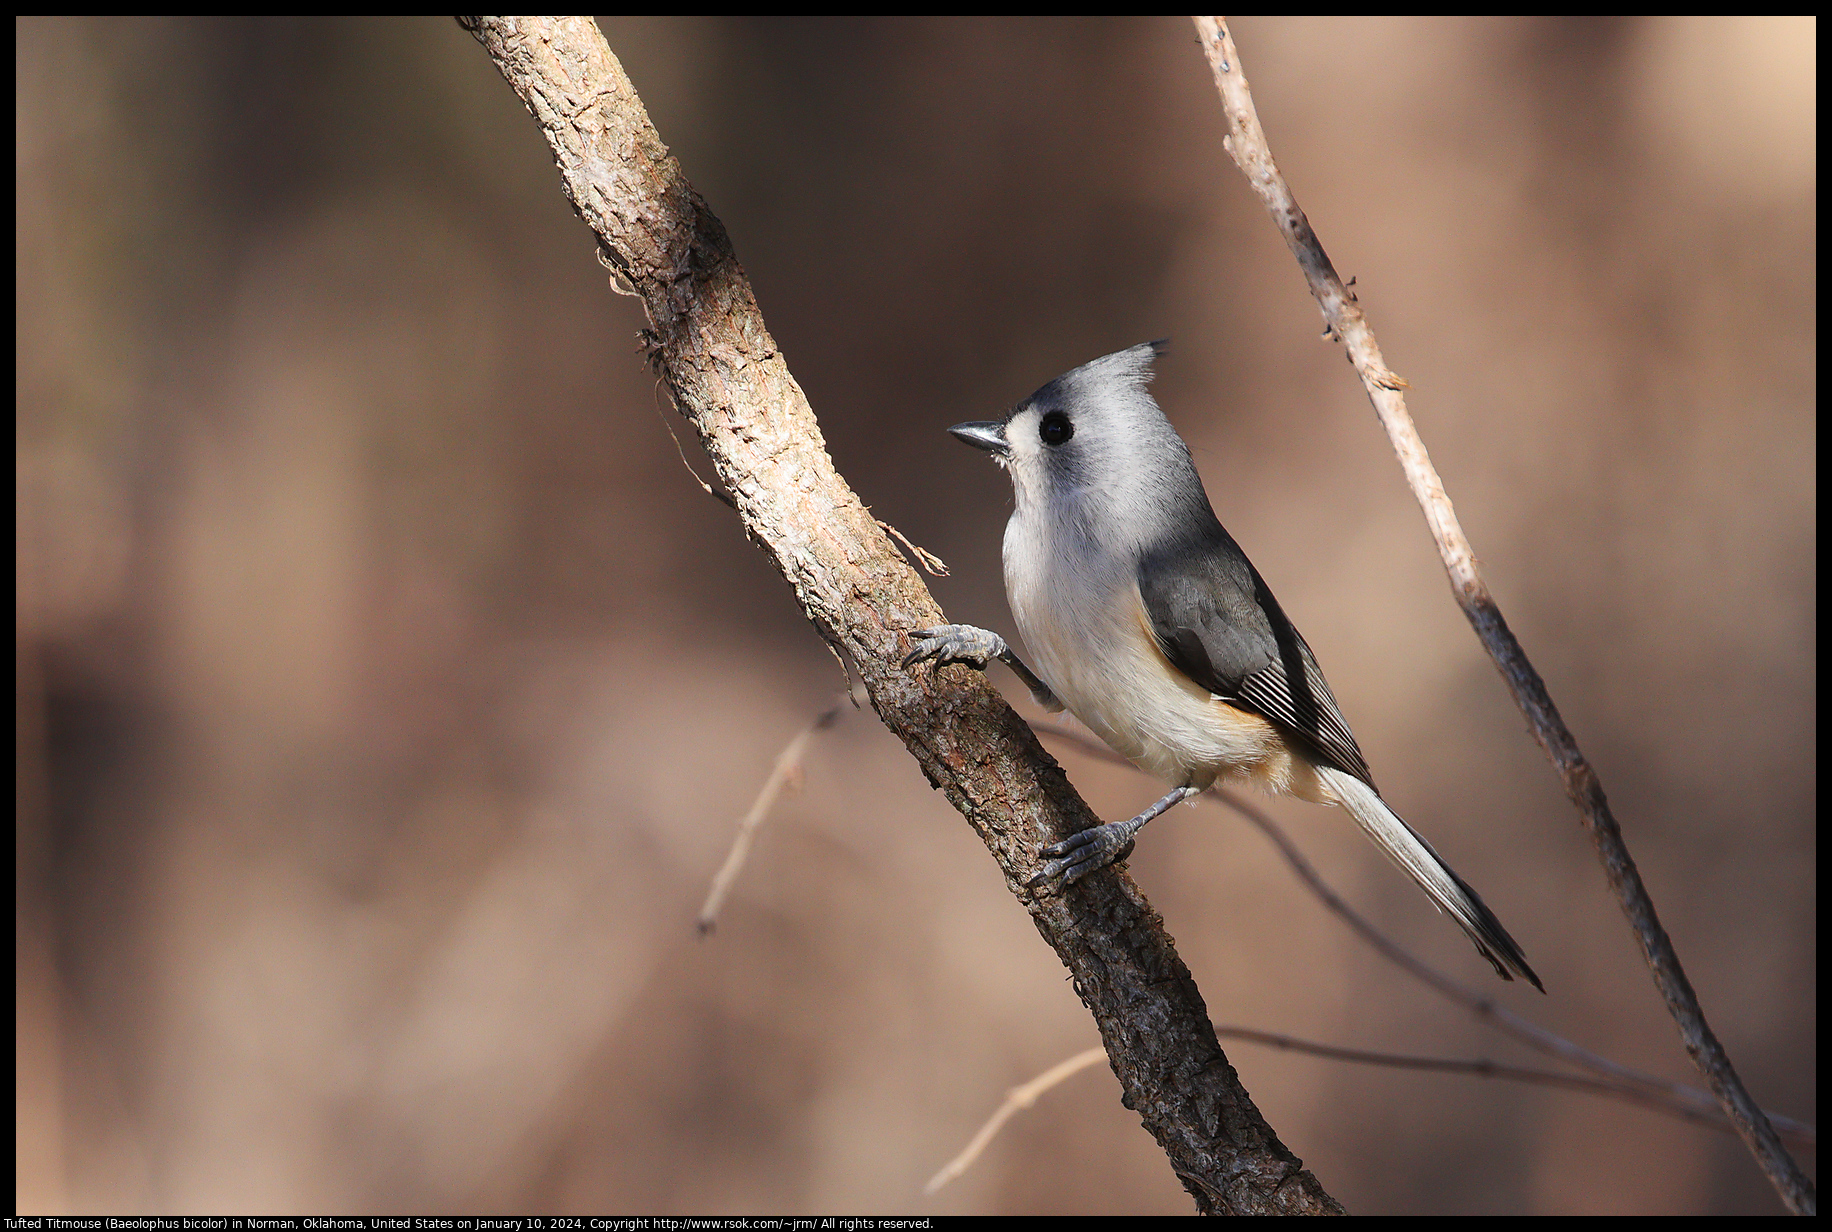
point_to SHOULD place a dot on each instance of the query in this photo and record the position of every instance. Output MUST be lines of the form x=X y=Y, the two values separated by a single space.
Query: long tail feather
x=1449 y=891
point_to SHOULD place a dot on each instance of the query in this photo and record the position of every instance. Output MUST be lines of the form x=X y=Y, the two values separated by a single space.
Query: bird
x=1146 y=620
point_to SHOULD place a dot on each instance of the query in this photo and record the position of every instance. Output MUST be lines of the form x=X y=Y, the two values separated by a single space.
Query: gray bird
x=1147 y=621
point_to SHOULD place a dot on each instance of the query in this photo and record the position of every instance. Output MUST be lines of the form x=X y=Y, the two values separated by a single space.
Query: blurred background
x=388 y=692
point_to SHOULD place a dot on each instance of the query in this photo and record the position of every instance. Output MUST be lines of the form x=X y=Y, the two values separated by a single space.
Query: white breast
x=1085 y=628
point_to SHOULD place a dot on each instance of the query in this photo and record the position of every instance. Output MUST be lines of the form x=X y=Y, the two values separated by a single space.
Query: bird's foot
x=1076 y=856
x=945 y=644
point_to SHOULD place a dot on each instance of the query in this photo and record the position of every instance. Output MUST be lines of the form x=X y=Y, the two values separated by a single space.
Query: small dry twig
x=930 y=562
x=787 y=772
x=705 y=487
x=1702 y=1111
x=1016 y=1100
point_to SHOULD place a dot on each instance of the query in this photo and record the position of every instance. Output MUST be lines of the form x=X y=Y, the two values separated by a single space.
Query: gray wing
x=1219 y=625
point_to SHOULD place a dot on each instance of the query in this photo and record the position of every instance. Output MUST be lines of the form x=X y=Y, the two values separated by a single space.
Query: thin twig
x=705 y=487
x=1707 y=1114
x=1246 y=143
x=1021 y=1097
x=1016 y=1100
x=785 y=773
x=1675 y=1097
x=931 y=563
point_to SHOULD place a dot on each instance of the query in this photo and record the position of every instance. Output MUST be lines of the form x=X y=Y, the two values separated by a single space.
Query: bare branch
x=708 y=341
x=1016 y=1100
x=1024 y=1096
x=1702 y=1111
x=1675 y=1097
x=1246 y=143
x=785 y=773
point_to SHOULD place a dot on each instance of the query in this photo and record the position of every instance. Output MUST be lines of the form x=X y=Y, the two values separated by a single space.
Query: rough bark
x=708 y=342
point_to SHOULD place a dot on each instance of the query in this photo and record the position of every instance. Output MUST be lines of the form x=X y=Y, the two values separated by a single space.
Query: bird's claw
x=1082 y=853
x=945 y=644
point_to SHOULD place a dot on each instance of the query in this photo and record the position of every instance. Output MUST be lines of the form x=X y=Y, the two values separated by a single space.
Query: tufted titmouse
x=1150 y=624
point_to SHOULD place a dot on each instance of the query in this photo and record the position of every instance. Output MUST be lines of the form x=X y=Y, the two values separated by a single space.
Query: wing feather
x=1219 y=625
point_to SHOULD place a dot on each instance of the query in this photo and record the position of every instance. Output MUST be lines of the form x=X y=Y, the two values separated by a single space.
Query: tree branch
x=1246 y=143
x=1681 y=1100
x=1025 y=1095
x=707 y=339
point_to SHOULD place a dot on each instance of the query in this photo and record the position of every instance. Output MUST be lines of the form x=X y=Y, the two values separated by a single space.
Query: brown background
x=387 y=691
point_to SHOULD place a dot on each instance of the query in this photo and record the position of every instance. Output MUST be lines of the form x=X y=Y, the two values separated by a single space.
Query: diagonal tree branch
x=707 y=340
x=1246 y=143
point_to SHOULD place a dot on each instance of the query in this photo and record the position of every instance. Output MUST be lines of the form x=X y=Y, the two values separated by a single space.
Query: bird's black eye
x=1055 y=428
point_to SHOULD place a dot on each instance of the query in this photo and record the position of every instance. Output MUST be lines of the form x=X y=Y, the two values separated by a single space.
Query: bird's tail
x=1449 y=891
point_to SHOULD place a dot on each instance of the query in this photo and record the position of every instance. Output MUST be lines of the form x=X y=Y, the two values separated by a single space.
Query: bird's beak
x=987 y=434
